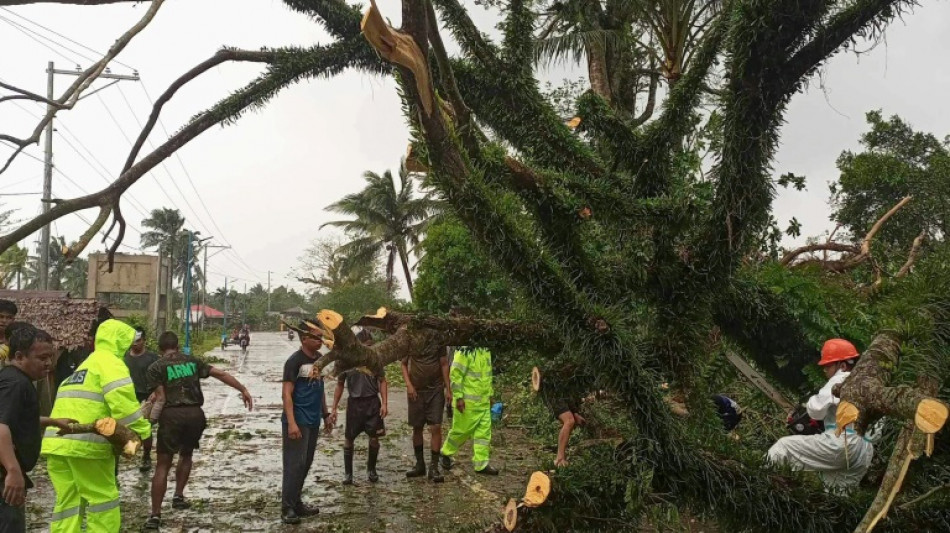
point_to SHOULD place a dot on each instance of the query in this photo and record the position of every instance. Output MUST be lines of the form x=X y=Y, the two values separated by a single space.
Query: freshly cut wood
x=401 y=49
x=535 y=379
x=539 y=487
x=931 y=416
x=573 y=123
x=382 y=320
x=329 y=318
x=511 y=515
x=847 y=414
x=123 y=439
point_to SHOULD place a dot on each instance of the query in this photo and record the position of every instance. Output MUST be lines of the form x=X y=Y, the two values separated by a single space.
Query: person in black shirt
x=176 y=380
x=30 y=359
x=70 y=360
x=138 y=359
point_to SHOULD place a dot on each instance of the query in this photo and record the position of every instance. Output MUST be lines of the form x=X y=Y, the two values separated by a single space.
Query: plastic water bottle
x=496 y=410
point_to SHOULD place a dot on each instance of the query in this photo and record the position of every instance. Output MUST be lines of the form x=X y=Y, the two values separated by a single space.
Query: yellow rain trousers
x=471 y=380
x=82 y=466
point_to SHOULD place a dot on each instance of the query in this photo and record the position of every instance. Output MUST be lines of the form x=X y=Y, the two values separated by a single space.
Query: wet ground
x=235 y=482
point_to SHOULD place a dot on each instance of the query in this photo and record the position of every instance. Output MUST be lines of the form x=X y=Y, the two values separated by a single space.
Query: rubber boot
x=371 y=464
x=348 y=466
x=420 y=469
x=435 y=475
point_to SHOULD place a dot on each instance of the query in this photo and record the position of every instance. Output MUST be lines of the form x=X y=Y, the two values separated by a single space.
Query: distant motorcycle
x=244 y=342
x=290 y=334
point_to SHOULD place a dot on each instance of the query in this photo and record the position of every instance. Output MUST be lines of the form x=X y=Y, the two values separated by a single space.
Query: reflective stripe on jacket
x=471 y=375
x=100 y=387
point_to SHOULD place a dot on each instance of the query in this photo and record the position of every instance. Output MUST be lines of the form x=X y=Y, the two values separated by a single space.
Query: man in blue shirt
x=304 y=407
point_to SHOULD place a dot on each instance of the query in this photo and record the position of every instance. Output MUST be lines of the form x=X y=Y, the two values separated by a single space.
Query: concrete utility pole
x=204 y=286
x=268 y=290
x=48 y=161
x=187 y=349
x=225 y=327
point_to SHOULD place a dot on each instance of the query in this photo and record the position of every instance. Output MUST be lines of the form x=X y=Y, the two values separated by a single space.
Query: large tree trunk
x=404 y=258
x=866 y=397
x=597 y=72
x=413 y=335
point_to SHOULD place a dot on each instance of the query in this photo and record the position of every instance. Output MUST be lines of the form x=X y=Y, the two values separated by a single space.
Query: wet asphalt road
x=235 y=481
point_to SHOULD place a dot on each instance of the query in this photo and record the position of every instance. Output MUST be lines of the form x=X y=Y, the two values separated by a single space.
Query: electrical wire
x=60 y=35
x=29 y=33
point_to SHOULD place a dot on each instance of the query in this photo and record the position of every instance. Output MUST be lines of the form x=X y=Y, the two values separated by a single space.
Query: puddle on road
x=235 y=481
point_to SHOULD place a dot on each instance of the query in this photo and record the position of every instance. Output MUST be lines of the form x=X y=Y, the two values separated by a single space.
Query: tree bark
x=907 y=448
x=866 y=397
x=403 y=257
x=413 y=335
x=123 y=439
x=597 y=72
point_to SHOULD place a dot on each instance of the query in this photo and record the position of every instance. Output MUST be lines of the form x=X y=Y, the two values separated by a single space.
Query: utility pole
x=204 y=286
x=225 y=332
x=268 y=291
x=188 y=270
x=51 y=71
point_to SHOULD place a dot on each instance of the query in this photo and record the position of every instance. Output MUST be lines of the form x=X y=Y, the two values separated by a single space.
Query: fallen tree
x=625 y=255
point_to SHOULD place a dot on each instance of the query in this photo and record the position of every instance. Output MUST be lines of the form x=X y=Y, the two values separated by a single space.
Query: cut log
x=573 y=123
x=535 y=379
x=931 y=416
x=511 y=515
x=539 y=487
x=866 y=389
x=123 y=439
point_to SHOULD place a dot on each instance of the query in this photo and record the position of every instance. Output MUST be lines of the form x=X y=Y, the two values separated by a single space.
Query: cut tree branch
x=83 y=81
x=866 y=395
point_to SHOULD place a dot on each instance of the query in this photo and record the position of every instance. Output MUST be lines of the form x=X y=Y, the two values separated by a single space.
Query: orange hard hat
x=836 y=350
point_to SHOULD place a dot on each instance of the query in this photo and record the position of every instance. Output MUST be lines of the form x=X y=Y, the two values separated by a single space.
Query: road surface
x=235 y=482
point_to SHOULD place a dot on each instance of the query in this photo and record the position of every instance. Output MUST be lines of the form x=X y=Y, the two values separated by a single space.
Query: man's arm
x=410 y=389
x=338 y=392
x=384 y=392
x=444 y=364
x=232 y=382
x=14 y=486
x=287 y=395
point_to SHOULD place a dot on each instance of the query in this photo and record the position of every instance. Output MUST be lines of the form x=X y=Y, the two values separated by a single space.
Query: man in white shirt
x=842 y=460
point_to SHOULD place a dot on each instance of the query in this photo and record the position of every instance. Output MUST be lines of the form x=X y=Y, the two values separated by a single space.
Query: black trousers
x=12 y=519
x=298 y=457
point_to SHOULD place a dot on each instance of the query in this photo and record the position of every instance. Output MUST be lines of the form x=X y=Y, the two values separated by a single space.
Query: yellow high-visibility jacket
x=100 y=387
x=471 y=375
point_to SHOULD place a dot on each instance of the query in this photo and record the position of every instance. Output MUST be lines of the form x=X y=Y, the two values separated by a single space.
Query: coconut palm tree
x=166 y=232
x=14 y=266
x=57 y=266
x=627 y=44
x=388 y=217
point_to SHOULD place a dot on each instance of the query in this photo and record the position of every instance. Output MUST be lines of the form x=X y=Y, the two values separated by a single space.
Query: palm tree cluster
x=388 y=219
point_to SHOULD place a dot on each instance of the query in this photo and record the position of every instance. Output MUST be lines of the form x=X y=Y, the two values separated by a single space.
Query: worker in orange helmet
x=841 y=460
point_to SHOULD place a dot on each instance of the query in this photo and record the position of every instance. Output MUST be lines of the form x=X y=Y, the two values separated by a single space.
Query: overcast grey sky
x=266 y=180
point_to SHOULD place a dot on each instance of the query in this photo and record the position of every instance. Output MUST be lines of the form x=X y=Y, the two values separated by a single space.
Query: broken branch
x=122 y=438
x=83 y=81
x=915 y=249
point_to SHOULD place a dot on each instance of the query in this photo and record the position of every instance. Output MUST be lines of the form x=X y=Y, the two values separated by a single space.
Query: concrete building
x=137 y=285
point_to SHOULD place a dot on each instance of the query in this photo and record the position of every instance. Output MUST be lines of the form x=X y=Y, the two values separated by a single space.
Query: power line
x=54 y=32
x=132 y=200
x=174 y=182
x=29 y=33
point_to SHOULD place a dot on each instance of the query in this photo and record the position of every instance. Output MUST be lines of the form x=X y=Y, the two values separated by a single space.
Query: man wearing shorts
x=566 y=409
x=176 y=378
x=427 y=378
x=364 y=414
x=138 y=359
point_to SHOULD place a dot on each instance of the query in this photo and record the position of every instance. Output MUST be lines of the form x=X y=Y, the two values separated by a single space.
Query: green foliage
x=388 y=219
x=896 y=162
x=455 y=273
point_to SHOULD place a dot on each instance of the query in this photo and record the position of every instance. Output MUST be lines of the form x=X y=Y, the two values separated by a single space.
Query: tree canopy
x=632 y=256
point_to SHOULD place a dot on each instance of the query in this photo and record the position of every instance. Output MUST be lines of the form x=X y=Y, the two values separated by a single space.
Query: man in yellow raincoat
x=82 y=466
x=471 y=379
